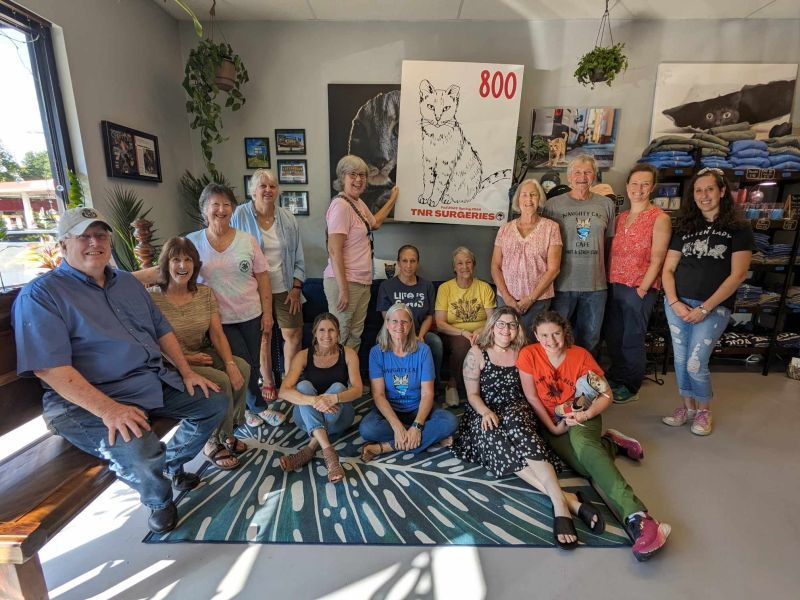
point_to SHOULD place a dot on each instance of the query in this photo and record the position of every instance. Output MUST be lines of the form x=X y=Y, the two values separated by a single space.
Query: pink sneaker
x=633 y=449
x=679 y=417
x=649 y=535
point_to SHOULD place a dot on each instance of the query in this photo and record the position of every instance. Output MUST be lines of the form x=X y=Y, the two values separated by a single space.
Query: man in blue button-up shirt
x=95 y=339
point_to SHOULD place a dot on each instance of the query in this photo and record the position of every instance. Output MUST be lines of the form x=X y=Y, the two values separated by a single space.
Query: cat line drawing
x=701 y=248
x=558 y=149
x=452 y=169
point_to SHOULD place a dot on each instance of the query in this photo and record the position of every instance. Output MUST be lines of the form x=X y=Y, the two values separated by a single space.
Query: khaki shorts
x=281 y=312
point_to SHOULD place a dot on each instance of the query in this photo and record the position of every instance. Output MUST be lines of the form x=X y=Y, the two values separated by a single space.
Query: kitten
x=558 y=149
x=452 y=169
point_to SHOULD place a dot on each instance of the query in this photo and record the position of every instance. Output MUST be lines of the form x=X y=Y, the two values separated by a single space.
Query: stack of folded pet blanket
x=669 y=151
x=784 y=152
x=714 y=150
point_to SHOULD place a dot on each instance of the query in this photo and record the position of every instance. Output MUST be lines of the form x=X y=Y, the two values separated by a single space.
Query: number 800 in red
x=501 y=84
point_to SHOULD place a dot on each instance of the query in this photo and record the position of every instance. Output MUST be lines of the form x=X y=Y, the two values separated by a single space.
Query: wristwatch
x=703 y=310
x=417 y=425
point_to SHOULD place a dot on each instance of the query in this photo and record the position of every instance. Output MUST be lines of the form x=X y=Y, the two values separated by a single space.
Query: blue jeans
x=141 y=462
x=441 y=423
x=584 y=310
x=529 y=316
x=309 y=418
x=434 y=342
x=624 y=329
x=692 y=345
x=245 y=341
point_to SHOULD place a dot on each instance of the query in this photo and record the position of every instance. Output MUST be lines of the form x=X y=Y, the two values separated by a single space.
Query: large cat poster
x=696 y=96
x=455 y=149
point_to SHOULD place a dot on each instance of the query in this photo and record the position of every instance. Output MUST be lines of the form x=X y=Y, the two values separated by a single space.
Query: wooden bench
x=44 y=484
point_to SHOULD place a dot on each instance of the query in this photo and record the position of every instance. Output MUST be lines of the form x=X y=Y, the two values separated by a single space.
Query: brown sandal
x=222 y=458
x=335 y=469
x=368 y=455
x=234 y=445
x=302 y=457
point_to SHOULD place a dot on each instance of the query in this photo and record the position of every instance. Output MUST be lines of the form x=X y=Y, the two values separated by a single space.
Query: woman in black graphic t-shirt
x=708 y=259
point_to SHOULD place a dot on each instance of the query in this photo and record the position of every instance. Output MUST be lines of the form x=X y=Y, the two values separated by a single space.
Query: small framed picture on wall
x=290 y=141
x=293 y=171
x=256 y=151
x=297 y=202
x=247 y=195
x=130 y=154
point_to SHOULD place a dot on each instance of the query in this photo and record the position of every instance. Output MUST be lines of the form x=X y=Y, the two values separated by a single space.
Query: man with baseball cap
x=94 y=337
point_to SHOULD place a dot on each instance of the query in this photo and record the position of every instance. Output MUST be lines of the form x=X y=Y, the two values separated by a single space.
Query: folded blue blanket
x=750 y=153
x=668 y=154
x=662 y=163
x=776 y=159
x=789 y=165
x=745 y=144
x=719 y=163
x=752 y=161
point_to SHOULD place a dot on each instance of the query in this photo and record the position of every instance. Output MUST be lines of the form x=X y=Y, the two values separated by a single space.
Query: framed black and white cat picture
x=292 y=171
x=290 y=141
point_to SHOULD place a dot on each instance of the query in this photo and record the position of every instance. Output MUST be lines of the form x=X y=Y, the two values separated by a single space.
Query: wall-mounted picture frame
x=295 y=201
x=293 y=171
x=247 y=195
x=290 y=141
x=130 y=153
x=256 y=152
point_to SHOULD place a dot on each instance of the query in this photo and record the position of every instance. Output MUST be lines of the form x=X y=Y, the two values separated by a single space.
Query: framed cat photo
x=560 y=133
x=290 y=141
x=295 y=201
x=256 y=151
x=457 y=141
x=725 y=98
x=293 y=171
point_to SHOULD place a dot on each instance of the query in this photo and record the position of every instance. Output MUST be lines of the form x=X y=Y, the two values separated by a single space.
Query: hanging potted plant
x=603 y=63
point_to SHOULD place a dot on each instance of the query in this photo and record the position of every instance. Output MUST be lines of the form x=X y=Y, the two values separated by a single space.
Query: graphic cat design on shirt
x=701 y=248
x=583 y=227
x=400 y=383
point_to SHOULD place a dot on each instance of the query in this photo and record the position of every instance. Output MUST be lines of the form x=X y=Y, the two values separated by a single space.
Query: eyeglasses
x=507 y=325
x=86 y=237
x=354 y=175
x=714 y=170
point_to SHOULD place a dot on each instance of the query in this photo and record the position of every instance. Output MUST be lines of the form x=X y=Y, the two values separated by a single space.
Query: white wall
x=291 y=63
x=121 y=61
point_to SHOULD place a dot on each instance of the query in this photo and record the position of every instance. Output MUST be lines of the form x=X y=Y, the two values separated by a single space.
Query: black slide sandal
x=564 y=526
x=587 y=512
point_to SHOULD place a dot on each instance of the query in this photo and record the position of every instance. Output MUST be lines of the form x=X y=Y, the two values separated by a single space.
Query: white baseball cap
x=77 y=220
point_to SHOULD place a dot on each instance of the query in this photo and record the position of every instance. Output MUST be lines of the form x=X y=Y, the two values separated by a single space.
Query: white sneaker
x=451 y=397
x=679 y=417
x=702 y=424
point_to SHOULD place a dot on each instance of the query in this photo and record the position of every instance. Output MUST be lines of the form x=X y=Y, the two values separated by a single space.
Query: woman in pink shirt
x=349 y=227
x=527 y=256
x=637 y=255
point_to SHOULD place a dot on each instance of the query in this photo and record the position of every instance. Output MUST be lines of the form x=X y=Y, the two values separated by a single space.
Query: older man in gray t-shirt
x=587 y=222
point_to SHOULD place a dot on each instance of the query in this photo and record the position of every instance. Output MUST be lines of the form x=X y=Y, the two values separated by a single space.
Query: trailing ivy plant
x=601 y=64
x=203 y=104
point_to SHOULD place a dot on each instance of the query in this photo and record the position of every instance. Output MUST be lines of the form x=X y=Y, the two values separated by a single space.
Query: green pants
x=592 y=456
x=234 y=416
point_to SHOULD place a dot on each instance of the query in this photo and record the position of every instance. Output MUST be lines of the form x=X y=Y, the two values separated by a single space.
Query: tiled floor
x=733 y=500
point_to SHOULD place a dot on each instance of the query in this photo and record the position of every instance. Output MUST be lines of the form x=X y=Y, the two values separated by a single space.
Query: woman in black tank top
x=322 y=383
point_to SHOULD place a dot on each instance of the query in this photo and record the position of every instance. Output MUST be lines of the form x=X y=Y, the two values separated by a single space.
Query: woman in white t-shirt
x=278 y=235
x=234 y=266
x=349 y=226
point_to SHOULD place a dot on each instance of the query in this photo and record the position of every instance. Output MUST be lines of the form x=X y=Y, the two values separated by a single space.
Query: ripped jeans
x=692 y=345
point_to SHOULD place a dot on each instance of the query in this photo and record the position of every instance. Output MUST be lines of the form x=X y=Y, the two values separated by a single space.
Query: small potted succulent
x=603 y=63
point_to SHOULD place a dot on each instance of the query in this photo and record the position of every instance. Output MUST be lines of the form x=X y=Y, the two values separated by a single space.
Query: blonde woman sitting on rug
x=499 y=428
x=322 y=383
x=402 y=375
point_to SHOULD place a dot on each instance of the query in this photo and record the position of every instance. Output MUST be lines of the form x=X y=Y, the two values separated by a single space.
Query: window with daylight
x=34 y=147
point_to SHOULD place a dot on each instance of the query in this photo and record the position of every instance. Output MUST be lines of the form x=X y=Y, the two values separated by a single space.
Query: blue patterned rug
x=397 y=499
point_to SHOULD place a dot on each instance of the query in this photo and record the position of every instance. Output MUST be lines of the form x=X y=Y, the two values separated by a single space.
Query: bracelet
x=673 y=302
x=230 y=362
x=337 y=398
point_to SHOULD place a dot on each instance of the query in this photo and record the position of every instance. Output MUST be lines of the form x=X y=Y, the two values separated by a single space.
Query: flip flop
x=368 y=455
x=587 y=512
x=269 y=393
x=252 y=419
x=272 y=417
x=221 y=454
x=564 y=526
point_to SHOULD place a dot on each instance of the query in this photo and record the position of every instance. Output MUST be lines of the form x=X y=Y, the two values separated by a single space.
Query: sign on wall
x=457 y=135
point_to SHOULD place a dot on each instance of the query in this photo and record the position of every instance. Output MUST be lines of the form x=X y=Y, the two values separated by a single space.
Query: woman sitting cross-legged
x=499 y=428
x=191 y=309
x=566 y=389
x=402 y=376
x=322 y=383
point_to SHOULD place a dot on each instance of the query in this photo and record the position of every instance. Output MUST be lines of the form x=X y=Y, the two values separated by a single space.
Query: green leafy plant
x=203 y=84
x=522 y=161
x=539 y=148
x=601 y=64
x=192 y=187
x=76 y=198
x=125 y=207
x=198 y=28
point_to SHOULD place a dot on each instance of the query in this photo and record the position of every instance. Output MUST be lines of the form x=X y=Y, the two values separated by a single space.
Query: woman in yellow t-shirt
x=463 y=304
